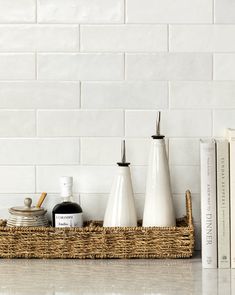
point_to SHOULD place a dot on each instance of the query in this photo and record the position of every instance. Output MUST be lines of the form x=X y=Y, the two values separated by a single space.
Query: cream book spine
x=223 y=206
x=231 y=138
x=208 y=203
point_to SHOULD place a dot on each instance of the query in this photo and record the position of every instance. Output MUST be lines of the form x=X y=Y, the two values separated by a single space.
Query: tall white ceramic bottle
x=158 y=207
x=120 y=210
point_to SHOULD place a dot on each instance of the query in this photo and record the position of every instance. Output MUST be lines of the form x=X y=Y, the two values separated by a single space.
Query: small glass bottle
x=67 y=213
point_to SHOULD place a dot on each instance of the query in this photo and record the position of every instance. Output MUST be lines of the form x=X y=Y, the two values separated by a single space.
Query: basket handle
x=189 y=212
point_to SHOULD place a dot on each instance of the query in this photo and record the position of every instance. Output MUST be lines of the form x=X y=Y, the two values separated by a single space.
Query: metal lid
x=27 y=210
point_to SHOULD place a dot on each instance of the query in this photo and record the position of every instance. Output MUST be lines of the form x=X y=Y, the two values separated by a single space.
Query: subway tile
x=108 y=151
x=137 y=150
x=17 y=123
x=166 y=11
x=224 y=11
x=81 y=66
x=184 y=151
x=173 y=66
x=17 y=66
x=224 y=66
x=39 y=95
x=17 y=11
x=223 y=119
x=80 y=11
x=127 y=95
x=93 y=206
x=198 y=95
x=202 y=38
x=80 y=123
x=39 y=151
x=87 y=179
x=117 y=38
x=185 y=177
x=39 y=38
x=17 y=179
x=174 y=123
x=9 y=200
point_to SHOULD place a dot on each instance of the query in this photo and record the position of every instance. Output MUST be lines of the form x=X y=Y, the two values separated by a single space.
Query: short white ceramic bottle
x=158 y=207
x=120 y=210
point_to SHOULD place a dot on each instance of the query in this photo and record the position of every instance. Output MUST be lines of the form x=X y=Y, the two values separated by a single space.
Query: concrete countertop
x=181 y=276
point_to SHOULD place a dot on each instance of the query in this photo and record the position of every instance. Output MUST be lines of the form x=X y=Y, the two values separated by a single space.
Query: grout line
x=213 y=11
x=79 y=38
x=36 y=66
x=93 y=137
x=124 y=7
x=168 y=38
x=80 y=151
x=113 y=81
x=115 y=23
x=124 y=66
x=35 y=111
x=124 y=123
x=36 y=11
x=212 y=122
x=35 y=175
x=80 y=95
x=212 y=74
x=168 y=96
x=36 y=123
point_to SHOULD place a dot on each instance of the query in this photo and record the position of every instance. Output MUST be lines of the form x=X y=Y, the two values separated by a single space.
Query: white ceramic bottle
x=158 y=207
x=120 y=210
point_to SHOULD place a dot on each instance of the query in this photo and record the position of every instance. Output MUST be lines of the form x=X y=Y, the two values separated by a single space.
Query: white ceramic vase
x=158 y=207
x=120 y=210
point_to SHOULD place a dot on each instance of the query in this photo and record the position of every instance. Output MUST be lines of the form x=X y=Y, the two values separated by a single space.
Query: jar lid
x=27 y=210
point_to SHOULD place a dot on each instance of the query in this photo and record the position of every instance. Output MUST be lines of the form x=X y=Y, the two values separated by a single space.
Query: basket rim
x=99 y=228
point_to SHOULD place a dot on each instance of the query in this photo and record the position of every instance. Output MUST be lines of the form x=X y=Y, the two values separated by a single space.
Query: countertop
x=181 y=276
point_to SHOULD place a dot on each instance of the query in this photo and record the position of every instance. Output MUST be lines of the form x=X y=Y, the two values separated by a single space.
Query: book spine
x=223 y=214
x=232 y=200
x=208 y=204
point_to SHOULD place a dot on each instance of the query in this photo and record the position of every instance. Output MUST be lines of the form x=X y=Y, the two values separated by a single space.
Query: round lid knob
x=27 y=209
x=28 y=202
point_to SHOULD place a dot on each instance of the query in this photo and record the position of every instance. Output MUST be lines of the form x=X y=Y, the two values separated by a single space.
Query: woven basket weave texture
x=95 y=241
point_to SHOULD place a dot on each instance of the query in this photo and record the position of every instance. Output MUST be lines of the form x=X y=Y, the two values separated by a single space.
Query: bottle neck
x=67 y=198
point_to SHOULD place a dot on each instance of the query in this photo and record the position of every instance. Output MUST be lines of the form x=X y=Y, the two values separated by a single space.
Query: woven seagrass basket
x=95 y=241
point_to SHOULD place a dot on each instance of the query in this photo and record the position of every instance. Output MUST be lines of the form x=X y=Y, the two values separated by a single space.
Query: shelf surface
x=180 y=276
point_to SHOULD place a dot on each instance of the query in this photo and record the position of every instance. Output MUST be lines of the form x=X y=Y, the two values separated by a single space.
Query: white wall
x=76 y=76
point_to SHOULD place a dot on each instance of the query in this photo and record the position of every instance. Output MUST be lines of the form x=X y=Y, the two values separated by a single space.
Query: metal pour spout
x=123 y=162
x=158 y=134
x=123 y=152
x=158 y=121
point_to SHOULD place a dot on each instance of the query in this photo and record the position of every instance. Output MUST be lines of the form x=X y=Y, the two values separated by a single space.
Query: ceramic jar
x=27 y=215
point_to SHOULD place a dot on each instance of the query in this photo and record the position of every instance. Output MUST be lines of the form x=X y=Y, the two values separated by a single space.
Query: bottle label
x=68 y=220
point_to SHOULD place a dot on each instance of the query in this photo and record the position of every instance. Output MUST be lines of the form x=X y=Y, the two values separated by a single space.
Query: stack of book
x=218 y=201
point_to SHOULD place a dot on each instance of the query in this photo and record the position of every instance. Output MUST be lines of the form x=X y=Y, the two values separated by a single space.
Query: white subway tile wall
x=77 y=76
